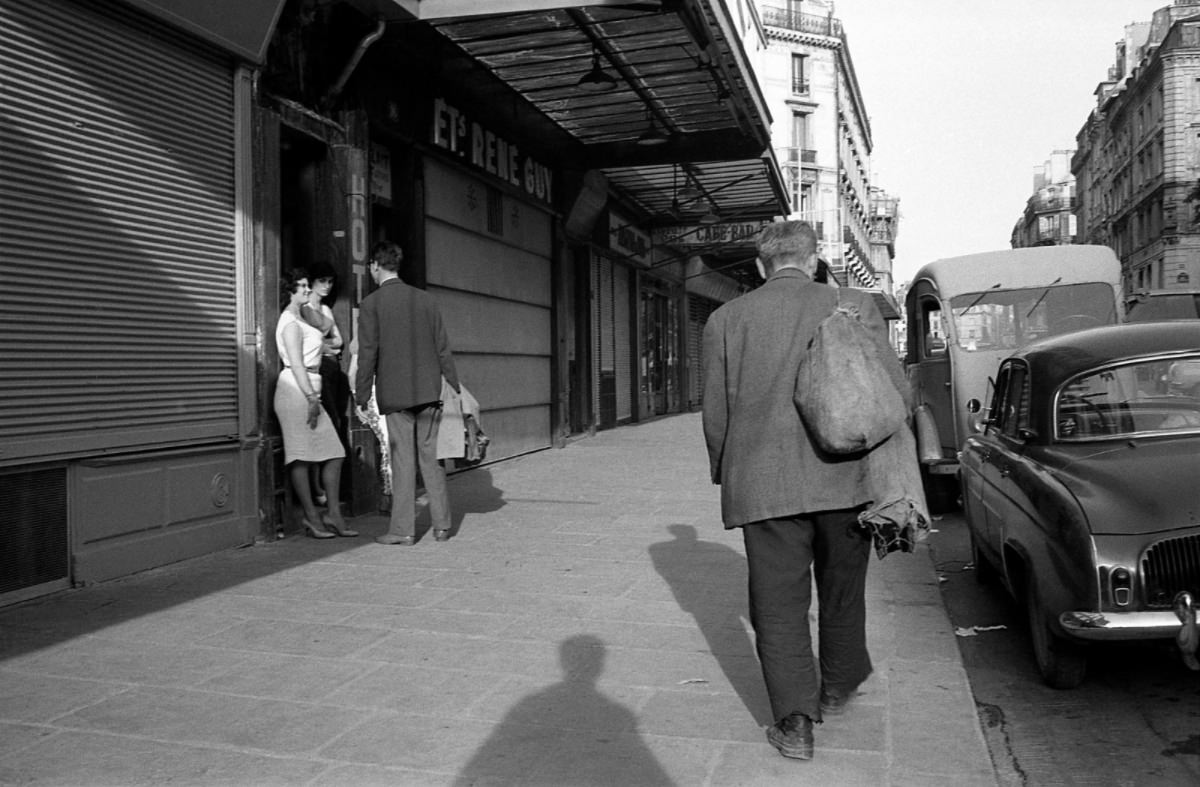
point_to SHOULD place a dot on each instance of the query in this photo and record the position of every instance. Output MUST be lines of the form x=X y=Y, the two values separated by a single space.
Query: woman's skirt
x=300 y=443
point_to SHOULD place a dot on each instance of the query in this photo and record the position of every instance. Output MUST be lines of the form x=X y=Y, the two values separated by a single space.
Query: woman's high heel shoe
x=328 y=522
x=313 y=532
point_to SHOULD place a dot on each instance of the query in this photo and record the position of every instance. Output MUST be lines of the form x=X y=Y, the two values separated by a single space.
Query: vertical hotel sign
x=468 y=139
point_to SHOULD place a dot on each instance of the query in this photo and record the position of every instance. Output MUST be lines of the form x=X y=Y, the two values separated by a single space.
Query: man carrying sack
x=798 y=505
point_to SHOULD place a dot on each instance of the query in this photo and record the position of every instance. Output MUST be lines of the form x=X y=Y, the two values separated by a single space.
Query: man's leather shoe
x=834 y=702
x=441 y=535
x=388 y=538
x=793 y=736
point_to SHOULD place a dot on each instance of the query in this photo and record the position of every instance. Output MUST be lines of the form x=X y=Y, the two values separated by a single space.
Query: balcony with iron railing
x=801 y=22
x=799 y=86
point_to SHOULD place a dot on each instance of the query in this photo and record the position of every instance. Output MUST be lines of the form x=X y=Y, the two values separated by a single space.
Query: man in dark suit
x=796 y=505
x=403 y=349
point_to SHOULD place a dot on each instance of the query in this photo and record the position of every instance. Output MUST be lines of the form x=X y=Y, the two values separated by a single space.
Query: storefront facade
x=127 y=430
x=166 y=162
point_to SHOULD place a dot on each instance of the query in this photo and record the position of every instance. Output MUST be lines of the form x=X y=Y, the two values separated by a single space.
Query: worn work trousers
x=782 y=555
x=412 y=438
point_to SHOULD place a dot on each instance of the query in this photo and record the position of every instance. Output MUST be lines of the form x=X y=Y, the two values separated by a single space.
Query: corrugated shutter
x=622 y=337
x=699 y=310
x=116 y=232
x=604 y=359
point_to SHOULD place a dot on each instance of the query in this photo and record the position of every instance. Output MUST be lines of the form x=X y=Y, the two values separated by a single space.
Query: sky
x=966 y=99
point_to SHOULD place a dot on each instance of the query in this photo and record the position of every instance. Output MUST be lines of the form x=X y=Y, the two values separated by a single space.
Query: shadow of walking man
x=567 y=734
x=709 y=581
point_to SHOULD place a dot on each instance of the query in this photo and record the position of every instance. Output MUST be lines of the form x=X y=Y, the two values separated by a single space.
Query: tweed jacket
x=402 y=348
x=759 y=450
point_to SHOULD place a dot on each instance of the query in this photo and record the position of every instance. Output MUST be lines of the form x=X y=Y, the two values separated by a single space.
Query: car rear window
x=1145 y=397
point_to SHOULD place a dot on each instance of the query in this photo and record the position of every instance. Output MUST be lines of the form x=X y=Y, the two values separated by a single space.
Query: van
x=965 y=314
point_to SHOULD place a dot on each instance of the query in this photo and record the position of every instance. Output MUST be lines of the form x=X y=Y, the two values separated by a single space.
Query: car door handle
x=1005 y=470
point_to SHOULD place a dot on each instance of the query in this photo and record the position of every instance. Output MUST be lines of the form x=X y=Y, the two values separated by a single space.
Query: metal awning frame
x=678 y=62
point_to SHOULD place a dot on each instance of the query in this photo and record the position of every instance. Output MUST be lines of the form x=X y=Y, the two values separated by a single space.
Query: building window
x=799 y=131
x=799 y=78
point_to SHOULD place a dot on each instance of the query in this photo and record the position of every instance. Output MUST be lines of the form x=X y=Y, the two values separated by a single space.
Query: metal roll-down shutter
x=116 y=233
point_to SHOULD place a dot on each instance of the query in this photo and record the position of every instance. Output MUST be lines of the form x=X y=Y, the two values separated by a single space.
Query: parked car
x=1082 y=491
x=1153 y=305
x=965 y=314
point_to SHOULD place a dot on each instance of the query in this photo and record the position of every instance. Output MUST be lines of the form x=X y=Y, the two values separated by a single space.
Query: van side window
x=933 y=337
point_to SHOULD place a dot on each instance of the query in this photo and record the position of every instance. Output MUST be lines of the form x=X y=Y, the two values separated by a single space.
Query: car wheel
x=1060 y=661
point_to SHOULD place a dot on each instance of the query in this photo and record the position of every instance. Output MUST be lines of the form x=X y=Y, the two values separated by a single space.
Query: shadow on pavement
x=709 y=582
x=568 y=733
x=64 y=616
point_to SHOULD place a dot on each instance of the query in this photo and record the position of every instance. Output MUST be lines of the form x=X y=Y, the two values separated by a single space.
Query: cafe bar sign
x=740 y=232
x=473 y=142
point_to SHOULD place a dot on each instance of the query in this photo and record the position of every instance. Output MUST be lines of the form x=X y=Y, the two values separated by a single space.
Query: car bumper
x=1120 y=625
x=1179 y=622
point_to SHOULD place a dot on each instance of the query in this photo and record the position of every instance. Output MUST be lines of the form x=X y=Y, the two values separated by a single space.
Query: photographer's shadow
x=567 y=734
x=709 y=581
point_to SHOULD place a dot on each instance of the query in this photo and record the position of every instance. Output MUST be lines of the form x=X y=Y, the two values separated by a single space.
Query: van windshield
x=1009 y=319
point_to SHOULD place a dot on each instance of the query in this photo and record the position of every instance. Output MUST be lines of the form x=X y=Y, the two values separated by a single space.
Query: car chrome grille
x=1169 y=566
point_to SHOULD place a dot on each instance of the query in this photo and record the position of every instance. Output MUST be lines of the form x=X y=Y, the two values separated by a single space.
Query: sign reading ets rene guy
x=454 y=131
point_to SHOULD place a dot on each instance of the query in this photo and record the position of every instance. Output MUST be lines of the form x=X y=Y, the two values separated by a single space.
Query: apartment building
x=1048 y=219
x=1137 y=163
x=822 y=138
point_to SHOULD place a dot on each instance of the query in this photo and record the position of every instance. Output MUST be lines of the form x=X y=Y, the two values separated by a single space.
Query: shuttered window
x=116 y=233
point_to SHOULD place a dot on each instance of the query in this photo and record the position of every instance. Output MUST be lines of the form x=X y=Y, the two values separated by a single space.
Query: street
x=1134 y=721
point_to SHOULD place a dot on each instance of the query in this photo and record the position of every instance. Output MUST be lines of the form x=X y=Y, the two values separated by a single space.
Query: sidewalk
x=584 y=625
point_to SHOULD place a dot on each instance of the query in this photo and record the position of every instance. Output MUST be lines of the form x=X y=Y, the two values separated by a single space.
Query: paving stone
x=447 y=621
x=378 y=776
x=284 y=677
x=448 y=691
x=236 y=606
x=14 y=737
x=602 y=705
x=114 y=761
x=699 y=714
x=42 y=698
x=152 y=663
x=295 y=637
x=760 y=765
x=201 y=717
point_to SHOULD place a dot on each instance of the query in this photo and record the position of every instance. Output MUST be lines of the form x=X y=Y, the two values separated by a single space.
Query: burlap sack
x=845 y=391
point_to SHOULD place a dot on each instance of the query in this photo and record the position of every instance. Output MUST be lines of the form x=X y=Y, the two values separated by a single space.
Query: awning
x=242 y=27
x=885 y=303
x=673 y=98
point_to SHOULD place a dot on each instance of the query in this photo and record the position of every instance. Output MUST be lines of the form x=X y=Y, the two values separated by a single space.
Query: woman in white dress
x=335 y=388
x=308 y=434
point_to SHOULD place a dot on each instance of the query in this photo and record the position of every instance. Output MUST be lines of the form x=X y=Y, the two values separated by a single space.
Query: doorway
x=659 y=361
